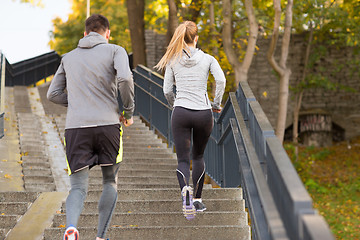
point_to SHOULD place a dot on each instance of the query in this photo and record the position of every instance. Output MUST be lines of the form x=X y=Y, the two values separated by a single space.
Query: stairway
x=149 y=201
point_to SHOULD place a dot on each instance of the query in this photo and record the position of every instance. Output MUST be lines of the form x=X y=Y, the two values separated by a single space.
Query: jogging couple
x=88 y=81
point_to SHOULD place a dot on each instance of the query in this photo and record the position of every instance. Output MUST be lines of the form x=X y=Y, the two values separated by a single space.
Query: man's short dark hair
x=96 y=23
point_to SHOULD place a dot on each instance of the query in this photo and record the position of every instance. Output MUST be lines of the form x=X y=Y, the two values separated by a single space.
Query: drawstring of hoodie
x=187 y=54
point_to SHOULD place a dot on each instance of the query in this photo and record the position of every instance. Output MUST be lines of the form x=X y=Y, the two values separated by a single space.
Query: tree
x=65 y=35
x=189 y=11
x=324 y=21
x=172 y=20
x=135 y=9
x=240 y=69
x=280 y=68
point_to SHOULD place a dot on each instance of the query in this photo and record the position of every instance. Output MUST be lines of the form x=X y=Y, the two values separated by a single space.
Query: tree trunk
x=299 y=94
x=215 y=49
x=240 y=70
x=172 y=20
x=280 y=67
x=135 y=10
x=194 y=10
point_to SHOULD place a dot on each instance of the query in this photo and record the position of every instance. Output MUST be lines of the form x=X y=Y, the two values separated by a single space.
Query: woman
x=188 y=68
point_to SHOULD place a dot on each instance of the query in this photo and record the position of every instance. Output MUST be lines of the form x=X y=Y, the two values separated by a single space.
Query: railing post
x=2 y=94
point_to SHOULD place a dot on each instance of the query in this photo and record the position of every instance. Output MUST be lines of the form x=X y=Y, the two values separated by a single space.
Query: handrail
x=244 y=151
x=2 y=93
x=29 y=71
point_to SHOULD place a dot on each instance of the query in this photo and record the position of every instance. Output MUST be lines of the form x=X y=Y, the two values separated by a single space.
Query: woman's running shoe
x=188 y=206
x=199 y=206
x=71 y=233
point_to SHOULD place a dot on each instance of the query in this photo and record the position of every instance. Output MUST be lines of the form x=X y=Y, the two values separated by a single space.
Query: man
x=92 y=75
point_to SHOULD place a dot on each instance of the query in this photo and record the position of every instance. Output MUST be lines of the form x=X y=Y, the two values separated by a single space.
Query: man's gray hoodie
x=190 y=75
x=92 y=75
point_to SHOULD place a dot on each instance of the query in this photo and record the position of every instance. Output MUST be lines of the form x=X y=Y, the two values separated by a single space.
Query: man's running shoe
x=188 y=206
x=71 y=233
x=199 y=206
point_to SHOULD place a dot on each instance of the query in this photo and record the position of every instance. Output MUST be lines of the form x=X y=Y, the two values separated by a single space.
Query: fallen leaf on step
x=116 y=226
x=2 y=214
x=4 y=160
x=149 y=146
x=20 y=162
x=8 y=176
x=61 y=226
x=44 y=132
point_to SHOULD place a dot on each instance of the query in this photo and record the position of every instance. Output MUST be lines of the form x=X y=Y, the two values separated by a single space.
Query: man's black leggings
x=198 y=123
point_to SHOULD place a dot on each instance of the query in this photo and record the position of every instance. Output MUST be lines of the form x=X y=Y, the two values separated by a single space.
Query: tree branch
x=274 y=38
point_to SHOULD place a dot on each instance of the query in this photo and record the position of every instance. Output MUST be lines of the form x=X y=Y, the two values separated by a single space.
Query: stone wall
x=344 y=106
x=155 y=47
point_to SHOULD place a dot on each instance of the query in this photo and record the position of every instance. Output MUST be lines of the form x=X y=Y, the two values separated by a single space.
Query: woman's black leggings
x=198 y=123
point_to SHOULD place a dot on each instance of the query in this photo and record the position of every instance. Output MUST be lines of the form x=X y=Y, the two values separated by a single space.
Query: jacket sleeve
x=220 y=80
x=168 y=87
x=56 y=92
x=124 y=81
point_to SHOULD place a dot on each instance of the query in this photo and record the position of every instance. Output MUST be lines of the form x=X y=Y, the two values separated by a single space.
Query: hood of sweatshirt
x=192 y=57
x=91 y=40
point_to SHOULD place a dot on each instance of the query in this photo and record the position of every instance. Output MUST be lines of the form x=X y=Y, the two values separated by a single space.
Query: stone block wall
x=344 y=106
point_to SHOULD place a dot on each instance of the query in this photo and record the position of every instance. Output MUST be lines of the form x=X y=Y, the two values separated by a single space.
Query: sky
x=24 y=29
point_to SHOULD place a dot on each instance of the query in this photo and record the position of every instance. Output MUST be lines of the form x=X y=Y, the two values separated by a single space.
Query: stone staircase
x=149 y=201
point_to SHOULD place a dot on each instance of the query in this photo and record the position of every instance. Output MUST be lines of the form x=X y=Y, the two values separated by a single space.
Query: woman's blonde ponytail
x=185 y=33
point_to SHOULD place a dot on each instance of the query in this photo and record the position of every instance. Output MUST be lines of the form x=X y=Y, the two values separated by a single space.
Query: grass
x=332 y=178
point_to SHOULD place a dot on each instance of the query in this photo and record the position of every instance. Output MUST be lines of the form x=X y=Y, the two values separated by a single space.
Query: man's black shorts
x=90 y=146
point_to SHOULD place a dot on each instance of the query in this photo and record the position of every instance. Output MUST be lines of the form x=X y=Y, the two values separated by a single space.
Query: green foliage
x=65 y=35
x=332 y=177
x=156 y=16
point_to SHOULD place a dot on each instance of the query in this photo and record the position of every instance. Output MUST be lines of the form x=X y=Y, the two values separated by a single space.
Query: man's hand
x=126 y=122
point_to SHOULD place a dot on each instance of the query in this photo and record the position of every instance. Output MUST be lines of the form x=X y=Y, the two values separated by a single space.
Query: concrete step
x=157 y=206
x=167 y=194
x=139 y=180
x=147 y=149
x=152 y=144
x=14 y=208
x=161 y=219
x=31 y=148
x=138 y=173
x=150 y=160
x=37 y=172
x=8 y=221
x=138 y=166
x=18 y=196
x=127 y=185
x=39 y=179
x=136 y=155
x=43 y=187
x=160 y=232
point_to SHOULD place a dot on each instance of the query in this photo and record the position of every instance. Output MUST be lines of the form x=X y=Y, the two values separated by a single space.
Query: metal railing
x=29 y=71
x=151 y=103
x=2 y=93
x=243 y=151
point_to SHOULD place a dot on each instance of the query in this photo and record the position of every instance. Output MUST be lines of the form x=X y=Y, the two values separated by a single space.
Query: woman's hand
x=216 y=110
